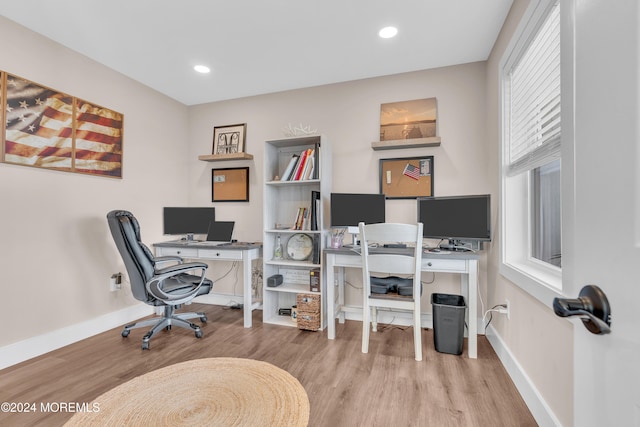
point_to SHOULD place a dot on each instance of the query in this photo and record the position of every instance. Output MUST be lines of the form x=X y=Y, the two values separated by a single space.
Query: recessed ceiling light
x=202 y=69
x=388 y=32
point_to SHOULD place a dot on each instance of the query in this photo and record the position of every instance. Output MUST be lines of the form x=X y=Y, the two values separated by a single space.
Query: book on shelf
x=290 y=167
x=316 y=249
x=315 y=208
x=301 y=219
x=301 y=166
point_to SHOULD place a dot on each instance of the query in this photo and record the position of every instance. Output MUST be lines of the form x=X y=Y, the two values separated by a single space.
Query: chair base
x=168 y=319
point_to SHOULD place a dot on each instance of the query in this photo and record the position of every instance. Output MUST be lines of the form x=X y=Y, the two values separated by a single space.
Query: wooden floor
x=385 y=387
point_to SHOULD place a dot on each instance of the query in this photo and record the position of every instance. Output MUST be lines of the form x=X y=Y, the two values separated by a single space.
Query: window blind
x=534 y=100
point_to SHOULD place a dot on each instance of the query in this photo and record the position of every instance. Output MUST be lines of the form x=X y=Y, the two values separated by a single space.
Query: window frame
x=540 y=279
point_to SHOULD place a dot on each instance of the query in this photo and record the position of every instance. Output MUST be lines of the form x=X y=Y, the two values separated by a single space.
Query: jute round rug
x=204 y=392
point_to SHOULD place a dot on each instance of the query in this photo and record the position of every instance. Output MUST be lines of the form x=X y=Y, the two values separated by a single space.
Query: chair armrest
x=176 y=269
x=168 y=258
x=154 y=285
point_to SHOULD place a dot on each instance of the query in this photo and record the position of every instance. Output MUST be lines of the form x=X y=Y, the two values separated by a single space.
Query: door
x=603 y=240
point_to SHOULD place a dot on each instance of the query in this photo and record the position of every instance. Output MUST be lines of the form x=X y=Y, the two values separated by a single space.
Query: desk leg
x=246 y=281
x=331 y=311
x=341 y=274
x=470 y=287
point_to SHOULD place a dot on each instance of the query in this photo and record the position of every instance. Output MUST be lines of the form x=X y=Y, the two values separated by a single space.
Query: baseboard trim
x=20 y=351
x=539 y=408
x=219 y=299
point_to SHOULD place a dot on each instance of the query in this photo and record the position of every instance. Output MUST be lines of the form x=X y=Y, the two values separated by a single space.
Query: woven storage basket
x=308 y=311
x=308 y=321
x=308 y=303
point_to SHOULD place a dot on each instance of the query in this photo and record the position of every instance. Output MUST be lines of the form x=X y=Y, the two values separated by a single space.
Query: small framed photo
x=230 y=185
x=229 y=139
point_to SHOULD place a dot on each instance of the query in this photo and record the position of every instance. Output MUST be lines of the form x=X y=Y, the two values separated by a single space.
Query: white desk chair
x=391 y=264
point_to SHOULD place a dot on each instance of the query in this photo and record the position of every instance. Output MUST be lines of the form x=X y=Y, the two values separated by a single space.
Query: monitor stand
x=454 y=245
x=355 y=237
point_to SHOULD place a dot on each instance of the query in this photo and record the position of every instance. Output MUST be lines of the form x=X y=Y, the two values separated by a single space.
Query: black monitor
x=188 y=221
x=458 y=219
x=349 y=209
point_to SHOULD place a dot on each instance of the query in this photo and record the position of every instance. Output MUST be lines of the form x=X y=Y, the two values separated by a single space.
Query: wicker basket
x=308 y=303
x=308 y=321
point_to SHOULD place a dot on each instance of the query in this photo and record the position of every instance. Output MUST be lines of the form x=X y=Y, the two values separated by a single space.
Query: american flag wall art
x=48 y=129
x=411 y=171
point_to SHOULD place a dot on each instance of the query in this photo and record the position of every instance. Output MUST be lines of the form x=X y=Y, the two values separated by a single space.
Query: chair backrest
x=407 y=263
x=137 y=257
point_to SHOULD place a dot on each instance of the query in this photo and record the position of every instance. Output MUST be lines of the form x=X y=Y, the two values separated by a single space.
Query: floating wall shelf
x=433 y=141
x=223 y=157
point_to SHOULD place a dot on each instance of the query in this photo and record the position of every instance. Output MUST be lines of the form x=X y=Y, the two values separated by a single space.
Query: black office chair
x=154 y=284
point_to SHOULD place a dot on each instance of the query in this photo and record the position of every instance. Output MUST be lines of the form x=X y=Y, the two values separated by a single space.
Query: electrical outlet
x=506 y=309
x=115 y=282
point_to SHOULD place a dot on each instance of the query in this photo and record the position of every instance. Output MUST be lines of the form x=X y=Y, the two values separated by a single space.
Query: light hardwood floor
x=385 y=387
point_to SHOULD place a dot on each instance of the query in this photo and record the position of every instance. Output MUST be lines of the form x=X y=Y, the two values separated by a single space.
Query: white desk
x=463 y=263
x=243 y=252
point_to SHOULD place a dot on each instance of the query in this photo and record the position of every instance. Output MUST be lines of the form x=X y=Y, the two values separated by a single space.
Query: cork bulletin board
x=406 y=178
x=230 y=185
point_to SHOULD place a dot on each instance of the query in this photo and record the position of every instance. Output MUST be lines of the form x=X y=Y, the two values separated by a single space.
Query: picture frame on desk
x=407 y=177
x=230 y=184
x=229 y=139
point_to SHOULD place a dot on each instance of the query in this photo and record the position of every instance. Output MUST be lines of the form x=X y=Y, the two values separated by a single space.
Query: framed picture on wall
x=229 y=139
x=408 y=119
x=230 y=185
x=46 y=128
x=406 y=178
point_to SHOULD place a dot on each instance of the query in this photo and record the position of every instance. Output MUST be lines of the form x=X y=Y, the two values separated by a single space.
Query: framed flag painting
x=50 y=129
x=98 y=140
x=406 y=178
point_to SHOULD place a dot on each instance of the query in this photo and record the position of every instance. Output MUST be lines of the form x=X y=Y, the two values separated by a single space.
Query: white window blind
x=534 y=100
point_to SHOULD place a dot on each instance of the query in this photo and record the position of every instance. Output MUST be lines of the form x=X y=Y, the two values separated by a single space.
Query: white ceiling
x=263 y=46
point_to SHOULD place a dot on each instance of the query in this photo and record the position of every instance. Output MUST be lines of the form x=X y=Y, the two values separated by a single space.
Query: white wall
x=537 y=340
x=349 y=115
x=57 y=253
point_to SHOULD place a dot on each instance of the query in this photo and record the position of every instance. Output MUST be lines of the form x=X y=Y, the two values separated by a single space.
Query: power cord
x=496 y=308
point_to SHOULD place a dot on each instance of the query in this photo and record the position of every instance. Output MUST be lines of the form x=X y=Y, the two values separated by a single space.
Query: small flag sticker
x=411 y=171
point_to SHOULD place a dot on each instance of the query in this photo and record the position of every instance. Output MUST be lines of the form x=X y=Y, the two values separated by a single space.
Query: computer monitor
x=459 y=219
x=349 y=209
x=187 y=220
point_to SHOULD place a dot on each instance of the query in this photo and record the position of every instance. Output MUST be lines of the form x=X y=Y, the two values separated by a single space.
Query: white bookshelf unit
x=282 y=200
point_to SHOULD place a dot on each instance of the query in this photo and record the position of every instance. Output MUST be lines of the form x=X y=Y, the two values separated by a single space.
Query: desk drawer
x=181 y=252
x=229 y=254
x=453 y=265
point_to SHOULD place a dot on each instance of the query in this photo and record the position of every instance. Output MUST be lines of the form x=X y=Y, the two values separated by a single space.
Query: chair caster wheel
x=198 y=334
x=145 y=345
x=125 y=333
x=203 y=319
